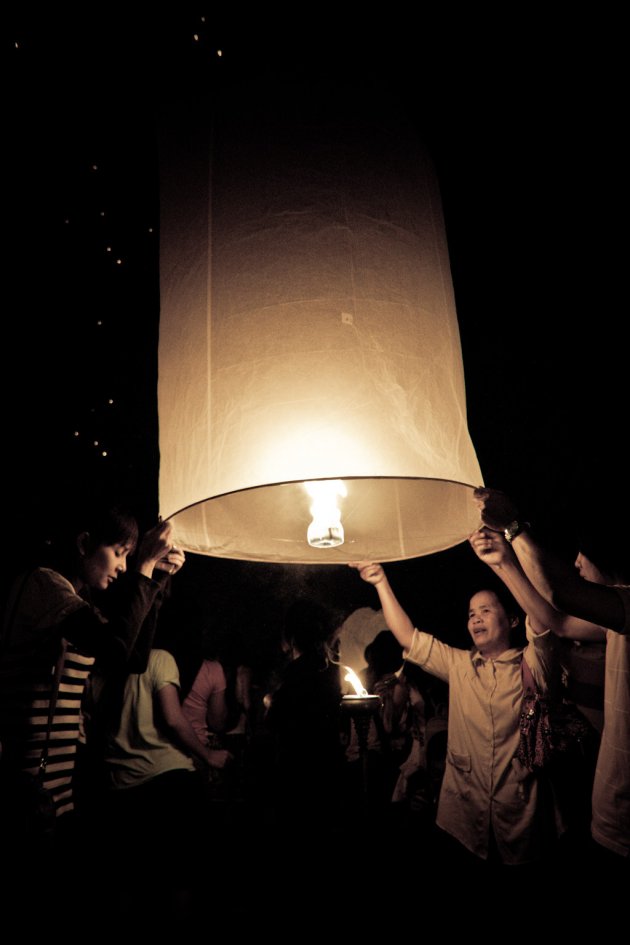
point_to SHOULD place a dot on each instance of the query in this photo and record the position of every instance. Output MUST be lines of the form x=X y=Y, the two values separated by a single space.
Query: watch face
x=512 y=531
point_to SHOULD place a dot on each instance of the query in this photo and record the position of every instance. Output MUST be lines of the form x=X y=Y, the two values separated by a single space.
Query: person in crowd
x=489 y=802
x=205 y=706
x=425 y=719
x=572 y=772
x=586 y=602
x=386 y=740
x=218 y=707
x=54 y=633
x=154 y=761
x=303 y=720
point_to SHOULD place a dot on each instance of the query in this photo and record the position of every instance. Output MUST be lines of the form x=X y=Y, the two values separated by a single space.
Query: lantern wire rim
x=294 y=482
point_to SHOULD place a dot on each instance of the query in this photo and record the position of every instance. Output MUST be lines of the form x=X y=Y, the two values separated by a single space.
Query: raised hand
x=172 y=561
x=219 y=757
x=497 y=509
x=490 y=546
x=154 y=545
x=370 y=571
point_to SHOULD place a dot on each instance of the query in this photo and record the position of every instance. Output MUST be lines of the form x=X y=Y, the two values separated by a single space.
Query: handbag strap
x=527 y=676
x=54 y=695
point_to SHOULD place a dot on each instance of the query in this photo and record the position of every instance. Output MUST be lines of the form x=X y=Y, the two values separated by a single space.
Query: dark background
x=524 y=119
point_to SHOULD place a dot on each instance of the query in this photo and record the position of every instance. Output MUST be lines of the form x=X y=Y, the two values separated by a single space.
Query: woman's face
x=488 y=623
x=103 y=564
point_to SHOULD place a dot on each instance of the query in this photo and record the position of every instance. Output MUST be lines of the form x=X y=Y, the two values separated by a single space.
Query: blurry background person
x=153 y=760
x=303 y=721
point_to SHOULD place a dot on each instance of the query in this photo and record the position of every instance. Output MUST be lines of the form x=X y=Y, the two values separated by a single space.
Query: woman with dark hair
x=488 y=802
x=53 y=635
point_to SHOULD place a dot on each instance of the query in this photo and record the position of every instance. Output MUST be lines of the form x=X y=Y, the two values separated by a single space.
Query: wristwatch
x=515 y=528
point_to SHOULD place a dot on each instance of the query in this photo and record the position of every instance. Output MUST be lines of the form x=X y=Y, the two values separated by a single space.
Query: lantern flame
x=326 y=530
x=352 y=678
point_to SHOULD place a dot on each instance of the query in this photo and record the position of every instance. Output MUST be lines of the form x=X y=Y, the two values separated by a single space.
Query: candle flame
x=352 y=678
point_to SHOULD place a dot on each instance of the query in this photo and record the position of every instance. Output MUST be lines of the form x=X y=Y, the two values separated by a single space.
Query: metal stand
x=361 y=710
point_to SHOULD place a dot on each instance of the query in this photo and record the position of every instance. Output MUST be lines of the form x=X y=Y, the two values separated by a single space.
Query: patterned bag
x=548 y=728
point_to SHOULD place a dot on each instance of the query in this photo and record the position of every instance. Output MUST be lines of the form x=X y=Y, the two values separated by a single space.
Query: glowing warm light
x=326 y=530
x=219 y=52
x=195 y=37
x=308 y=332
x=354 y=680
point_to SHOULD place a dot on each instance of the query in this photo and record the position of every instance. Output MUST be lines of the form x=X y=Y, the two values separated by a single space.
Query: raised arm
x=395 y=617
x=492 y=548
x=558 y=583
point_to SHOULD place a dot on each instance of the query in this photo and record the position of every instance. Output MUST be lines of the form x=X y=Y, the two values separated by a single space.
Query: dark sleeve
x=123 y=638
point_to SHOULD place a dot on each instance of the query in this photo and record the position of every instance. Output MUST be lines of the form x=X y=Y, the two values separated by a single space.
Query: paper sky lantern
x=308 y=335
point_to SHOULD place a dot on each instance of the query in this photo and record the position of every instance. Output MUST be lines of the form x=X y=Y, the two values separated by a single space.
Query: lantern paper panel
x=308 y=331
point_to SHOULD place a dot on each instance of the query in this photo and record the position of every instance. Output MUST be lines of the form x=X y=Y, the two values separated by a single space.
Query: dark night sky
x=524 y=122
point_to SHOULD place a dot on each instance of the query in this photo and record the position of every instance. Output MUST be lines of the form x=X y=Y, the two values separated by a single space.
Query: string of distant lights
x=106 y=263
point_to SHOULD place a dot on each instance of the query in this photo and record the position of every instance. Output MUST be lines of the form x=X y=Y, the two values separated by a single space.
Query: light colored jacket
x=485 y=788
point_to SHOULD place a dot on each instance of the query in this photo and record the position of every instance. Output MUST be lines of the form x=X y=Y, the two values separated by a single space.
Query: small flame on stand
x=352 y=678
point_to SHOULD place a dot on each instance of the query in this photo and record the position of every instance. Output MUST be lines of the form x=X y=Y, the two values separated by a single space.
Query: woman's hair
x=112 y=525
x=108 y=524
x=384 y=654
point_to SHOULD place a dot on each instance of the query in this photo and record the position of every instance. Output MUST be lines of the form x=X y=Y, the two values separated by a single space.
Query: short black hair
x=607 y=548
x=105 y=523
x=308 y=625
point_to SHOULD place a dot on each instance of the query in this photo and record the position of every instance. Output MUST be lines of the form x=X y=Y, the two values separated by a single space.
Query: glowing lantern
x=308 y=333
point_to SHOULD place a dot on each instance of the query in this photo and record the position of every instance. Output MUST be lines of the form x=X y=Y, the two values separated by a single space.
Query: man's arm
x=556 y=581
x=217 y=714
x=492 y=548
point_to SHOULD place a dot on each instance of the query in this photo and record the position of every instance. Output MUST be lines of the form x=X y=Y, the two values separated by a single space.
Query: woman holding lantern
x=54 y=635
x=495 y=807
